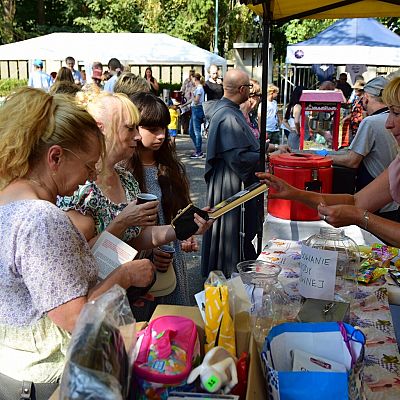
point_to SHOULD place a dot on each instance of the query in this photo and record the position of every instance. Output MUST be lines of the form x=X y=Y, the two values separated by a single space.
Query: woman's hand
x=141 y=301
x=139 y=273
x=284 y=148
x=190 y=245
x=202 y=223
x=281 y=188
x=341 y=215
x=139 y=215
x=161 y=259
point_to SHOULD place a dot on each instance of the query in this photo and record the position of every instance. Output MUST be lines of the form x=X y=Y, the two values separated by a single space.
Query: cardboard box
x=244 y=342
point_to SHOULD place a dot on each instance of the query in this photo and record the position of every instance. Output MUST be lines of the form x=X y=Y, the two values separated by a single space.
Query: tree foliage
x=191 y=20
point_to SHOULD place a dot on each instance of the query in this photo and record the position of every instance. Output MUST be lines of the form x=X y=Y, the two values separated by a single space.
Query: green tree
x=8 y=8
x=109 y=16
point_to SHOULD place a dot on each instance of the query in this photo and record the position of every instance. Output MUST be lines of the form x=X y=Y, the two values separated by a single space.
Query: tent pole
x=285 y=90
x=263 y=126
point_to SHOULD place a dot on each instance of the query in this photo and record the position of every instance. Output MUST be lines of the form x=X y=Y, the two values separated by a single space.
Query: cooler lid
x=305 y=160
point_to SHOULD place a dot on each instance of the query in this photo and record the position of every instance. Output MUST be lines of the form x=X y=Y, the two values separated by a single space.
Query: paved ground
x=195 y=171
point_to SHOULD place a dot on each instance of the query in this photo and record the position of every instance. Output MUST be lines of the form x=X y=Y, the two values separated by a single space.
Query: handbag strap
x=347 y=340
x=25 y=390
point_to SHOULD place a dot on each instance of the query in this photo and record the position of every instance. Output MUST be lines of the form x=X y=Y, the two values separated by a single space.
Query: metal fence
x=304 y=76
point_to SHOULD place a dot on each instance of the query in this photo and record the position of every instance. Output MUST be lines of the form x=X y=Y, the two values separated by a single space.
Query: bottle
x=217 y=371
x=348 y=260
x=270 y=304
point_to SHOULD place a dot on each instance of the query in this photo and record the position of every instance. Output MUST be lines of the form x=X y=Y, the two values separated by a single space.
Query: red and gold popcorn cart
x=320 y=119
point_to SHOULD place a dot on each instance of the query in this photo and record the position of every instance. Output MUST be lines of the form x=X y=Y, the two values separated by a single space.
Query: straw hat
x=359 y=85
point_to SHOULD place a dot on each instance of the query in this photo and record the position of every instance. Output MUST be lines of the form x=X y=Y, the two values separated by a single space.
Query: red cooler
x=304 y=171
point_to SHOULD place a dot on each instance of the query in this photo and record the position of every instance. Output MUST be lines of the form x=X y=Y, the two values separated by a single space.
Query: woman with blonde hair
x=48 y=146
x=273 y=119
x=358 y=209
x=250 y=106
x=130 y=84
x=109 y=202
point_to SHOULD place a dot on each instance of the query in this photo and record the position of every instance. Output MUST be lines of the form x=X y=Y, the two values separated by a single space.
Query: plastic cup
x=166 y=248
x=142 y=198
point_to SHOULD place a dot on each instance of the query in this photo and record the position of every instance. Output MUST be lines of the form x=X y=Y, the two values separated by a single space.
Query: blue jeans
x=195 y=127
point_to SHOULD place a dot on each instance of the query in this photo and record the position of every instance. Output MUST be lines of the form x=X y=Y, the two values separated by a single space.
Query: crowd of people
x=75 y=156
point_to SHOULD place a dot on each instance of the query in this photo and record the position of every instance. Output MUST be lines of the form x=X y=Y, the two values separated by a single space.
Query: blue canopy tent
x=349 y=41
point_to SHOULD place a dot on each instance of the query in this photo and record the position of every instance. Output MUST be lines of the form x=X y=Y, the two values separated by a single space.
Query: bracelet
x=366 y=219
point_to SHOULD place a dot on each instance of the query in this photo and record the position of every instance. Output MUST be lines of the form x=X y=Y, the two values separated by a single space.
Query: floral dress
x=89 y=198
x=356 y=117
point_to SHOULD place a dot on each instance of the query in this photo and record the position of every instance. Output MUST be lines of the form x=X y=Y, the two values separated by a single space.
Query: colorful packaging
x=376 y=262
x=219 y=325
x=168 y=349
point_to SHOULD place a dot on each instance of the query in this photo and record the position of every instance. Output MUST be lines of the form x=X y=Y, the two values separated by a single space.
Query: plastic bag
x=219 y=324
x=98 y=366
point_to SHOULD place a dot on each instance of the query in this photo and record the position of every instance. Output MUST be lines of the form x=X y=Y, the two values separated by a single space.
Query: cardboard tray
x=244 y=342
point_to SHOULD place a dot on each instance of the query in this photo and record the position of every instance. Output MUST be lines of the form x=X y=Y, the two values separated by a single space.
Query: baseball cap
x=97 y=74
x=376 y=85
x=38 y=62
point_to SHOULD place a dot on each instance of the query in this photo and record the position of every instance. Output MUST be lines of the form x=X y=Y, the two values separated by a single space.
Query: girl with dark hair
x=155 y=166
x=153 y=84
x=292 y=118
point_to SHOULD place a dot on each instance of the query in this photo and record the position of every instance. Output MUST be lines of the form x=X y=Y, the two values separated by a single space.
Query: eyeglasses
x=255 y=95
x=93 y=171
x=249 y=85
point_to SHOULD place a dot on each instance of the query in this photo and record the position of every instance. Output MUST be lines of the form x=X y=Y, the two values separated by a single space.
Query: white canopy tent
x=129 y=48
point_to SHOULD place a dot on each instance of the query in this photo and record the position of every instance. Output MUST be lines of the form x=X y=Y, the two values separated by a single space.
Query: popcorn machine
x=320 y=119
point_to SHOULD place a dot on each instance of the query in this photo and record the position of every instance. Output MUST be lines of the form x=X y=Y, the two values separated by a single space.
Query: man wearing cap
x=38 y=78
x=97 y=75
x=373 y=147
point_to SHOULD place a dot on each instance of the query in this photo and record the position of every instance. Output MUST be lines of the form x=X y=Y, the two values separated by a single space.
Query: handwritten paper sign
x=317 y=273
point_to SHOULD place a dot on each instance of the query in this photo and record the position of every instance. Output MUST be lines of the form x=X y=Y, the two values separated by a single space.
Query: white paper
x=201 y=303
x=241 y=298
x=110 y=252
x=317 y=273
x=303 y=361
x=329 y=345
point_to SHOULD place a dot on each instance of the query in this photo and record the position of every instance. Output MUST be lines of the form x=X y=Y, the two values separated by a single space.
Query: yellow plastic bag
x=219 y=325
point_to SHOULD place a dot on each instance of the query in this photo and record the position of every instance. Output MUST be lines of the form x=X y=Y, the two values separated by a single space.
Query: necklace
x=149 y=164
x=43 y=187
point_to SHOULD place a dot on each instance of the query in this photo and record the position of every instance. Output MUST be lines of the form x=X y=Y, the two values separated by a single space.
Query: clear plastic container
x=348 y=260
x=270 y=304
